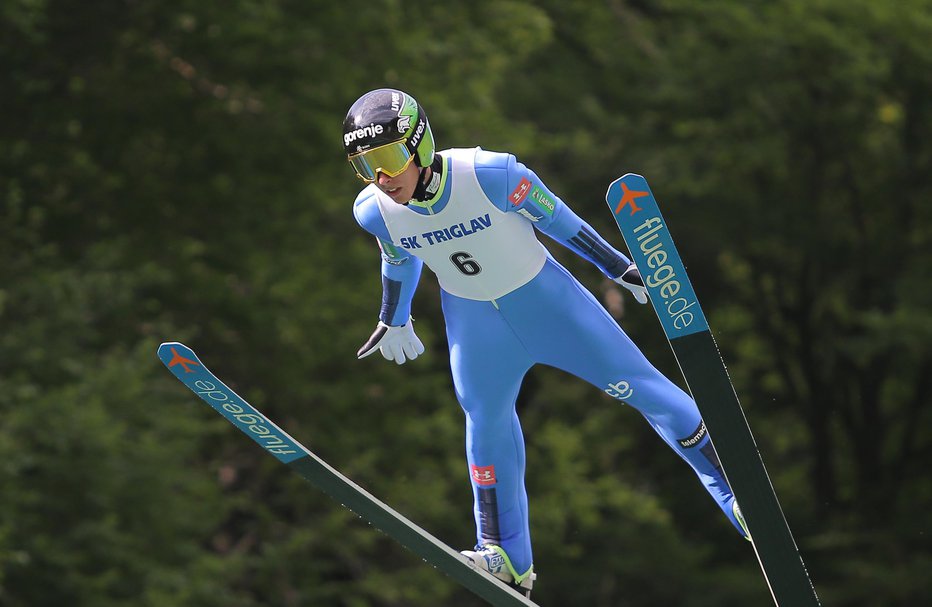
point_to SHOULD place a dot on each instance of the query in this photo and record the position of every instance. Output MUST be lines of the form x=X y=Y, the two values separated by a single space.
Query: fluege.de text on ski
x=247 y=419
x=663 y=275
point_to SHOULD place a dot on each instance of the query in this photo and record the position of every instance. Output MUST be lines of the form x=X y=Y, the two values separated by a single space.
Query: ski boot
x=492 y=558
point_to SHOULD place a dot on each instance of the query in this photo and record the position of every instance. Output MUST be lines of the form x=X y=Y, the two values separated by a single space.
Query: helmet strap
x=427 y=186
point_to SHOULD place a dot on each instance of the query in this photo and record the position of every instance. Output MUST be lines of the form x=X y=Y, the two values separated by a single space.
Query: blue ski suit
x=494 y=329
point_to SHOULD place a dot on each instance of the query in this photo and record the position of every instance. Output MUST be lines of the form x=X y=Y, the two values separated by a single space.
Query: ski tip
x=176 y=354
x=618 y=185
x=632 y=179
x=627 y=177
x=167 y=345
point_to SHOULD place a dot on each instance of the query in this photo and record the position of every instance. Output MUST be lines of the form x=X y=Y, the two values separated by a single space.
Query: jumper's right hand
x=396 y=343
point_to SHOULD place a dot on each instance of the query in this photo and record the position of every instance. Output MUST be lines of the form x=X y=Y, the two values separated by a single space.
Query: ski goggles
x=391 y=159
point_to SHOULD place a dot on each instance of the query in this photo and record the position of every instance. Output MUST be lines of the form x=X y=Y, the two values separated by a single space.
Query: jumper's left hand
x=631 y=280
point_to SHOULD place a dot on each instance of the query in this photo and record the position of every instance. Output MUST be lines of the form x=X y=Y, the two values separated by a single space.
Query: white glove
x=631 y=280
x=396 y=343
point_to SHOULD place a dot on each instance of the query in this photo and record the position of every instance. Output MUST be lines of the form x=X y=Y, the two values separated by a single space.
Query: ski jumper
x=509 y=305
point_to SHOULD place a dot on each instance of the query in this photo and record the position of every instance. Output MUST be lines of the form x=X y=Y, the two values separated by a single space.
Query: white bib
x=476 y=250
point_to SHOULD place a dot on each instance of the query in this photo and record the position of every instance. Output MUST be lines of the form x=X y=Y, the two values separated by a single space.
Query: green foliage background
x=174 y=171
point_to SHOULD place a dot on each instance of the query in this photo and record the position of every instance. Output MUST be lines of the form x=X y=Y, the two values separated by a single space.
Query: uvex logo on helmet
x=418 y=133
x=367 y=131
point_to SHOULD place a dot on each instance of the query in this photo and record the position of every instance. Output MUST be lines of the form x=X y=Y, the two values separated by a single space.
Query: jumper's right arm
x=400 y=270
x=394 y=335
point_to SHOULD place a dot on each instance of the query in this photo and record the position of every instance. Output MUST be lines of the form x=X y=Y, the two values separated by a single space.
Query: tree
x=174 y=172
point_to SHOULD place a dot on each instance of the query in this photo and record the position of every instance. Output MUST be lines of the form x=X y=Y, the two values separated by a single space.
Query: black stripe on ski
x=687 y=330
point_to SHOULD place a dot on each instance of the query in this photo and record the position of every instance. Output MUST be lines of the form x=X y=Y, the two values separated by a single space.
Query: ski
x=187 y=367
x=674 y=300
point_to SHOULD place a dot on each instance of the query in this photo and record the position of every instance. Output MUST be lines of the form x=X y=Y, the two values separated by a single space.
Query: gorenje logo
x=367 y=131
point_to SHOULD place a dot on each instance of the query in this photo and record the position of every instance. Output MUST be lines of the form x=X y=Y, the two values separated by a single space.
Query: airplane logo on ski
x=629 y=197
x=178 y=359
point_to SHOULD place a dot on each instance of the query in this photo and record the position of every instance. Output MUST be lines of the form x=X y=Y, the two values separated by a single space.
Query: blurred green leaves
x=174 y=172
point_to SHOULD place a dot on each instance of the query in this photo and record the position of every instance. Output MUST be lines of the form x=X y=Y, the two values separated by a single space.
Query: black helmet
x=386 y=116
